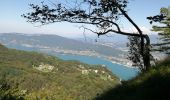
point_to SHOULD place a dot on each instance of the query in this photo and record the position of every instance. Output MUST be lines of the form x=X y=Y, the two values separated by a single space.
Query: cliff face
x=31 y=75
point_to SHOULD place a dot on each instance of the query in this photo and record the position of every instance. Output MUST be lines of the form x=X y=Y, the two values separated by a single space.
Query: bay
x=121 y=71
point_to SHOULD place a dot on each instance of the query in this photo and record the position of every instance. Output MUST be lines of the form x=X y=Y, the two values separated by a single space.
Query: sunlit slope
x=30 y=75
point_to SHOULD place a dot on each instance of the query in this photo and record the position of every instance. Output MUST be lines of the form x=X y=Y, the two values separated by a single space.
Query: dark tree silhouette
x=134 y=52
x=103 y=14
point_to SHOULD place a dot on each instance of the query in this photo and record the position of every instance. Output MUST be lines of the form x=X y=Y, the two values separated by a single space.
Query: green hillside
x=152 y=85
x=34 y=76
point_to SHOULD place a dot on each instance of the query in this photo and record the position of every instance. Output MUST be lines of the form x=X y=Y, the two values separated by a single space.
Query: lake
x=123 y=72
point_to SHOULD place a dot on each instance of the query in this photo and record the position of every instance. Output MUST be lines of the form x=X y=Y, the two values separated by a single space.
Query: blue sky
x=11 y=20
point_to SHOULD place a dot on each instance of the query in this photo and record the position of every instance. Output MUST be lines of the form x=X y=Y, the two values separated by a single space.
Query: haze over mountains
x=54 y=44
x=111 y=48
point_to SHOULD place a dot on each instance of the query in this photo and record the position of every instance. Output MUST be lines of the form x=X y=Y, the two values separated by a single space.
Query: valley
x=54 y=45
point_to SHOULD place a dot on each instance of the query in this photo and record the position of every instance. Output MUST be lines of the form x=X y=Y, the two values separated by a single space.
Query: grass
x=151 y=85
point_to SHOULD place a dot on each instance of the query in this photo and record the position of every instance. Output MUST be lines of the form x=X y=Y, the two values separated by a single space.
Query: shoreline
x=122 y=64
x=105 y=58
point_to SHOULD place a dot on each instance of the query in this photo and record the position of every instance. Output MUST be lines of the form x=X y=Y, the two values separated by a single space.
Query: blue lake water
x=121 y=71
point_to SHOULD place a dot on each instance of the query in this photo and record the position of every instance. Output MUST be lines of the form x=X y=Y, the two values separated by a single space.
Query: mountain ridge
x=55 y=41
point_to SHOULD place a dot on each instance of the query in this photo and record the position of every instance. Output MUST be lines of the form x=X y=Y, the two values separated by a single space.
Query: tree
x=163 y=28
x=103 y=14
x=134 y=52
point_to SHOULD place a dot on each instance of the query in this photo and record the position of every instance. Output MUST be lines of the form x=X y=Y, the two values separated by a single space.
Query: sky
x=11 y=20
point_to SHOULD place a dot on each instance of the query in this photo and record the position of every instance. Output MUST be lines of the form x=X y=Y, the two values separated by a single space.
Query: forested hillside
x=34 y=76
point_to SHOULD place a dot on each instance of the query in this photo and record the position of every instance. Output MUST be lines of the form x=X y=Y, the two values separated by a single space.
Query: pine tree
x=163 y=29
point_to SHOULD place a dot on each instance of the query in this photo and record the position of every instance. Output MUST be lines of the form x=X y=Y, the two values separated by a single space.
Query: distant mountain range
x=54 y=44
x=111 y=48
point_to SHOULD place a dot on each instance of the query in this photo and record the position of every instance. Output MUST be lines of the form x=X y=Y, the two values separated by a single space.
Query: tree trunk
x=145 y=48
x=146 y=54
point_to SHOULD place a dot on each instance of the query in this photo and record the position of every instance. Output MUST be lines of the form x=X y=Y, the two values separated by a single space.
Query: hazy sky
x=11 y=20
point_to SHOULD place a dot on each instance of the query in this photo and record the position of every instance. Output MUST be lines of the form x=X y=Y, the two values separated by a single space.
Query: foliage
x=19 y=79
x=151 y=85
x=163 y=28
x=134 y=51
x=101 y=13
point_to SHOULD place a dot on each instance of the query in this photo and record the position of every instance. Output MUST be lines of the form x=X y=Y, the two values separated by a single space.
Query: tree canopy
x=103 y=14
x=163 y=29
